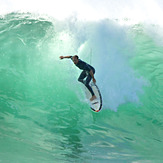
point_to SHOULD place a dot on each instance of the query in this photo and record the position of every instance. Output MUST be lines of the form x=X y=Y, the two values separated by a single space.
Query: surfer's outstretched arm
x=62 y=57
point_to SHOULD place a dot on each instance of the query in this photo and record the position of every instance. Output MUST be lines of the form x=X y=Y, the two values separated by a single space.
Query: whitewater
x=44 y=115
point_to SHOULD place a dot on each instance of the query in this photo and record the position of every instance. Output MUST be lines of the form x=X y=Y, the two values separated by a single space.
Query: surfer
x=88 y=71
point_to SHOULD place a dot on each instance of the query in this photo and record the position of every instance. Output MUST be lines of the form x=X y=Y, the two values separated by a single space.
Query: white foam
x=111 y=51
x=134 y=11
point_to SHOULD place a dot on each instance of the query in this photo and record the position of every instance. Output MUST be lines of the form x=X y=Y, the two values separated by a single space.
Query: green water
x=44 y=116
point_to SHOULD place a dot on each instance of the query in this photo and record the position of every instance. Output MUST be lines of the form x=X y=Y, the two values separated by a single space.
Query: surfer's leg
x=87 y=84
x=81 y=77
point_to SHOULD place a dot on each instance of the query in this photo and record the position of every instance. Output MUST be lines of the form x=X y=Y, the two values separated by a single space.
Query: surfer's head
x=75 y=59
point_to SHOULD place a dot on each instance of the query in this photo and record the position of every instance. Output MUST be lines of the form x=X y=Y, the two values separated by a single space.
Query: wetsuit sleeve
x=71 y=57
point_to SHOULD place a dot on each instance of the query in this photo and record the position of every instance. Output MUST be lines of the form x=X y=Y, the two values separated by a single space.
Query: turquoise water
x=44 y=116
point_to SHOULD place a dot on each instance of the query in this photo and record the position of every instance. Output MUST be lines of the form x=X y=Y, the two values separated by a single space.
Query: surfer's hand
x=61 y=57
x=94 y=80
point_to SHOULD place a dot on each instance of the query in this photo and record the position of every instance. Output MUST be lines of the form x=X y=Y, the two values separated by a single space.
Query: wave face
x=44 y=116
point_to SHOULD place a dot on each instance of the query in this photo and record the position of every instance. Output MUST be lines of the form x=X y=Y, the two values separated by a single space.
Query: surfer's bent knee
x=81 y=80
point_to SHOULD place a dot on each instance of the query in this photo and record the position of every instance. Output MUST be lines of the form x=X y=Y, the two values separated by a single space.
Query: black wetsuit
x=85 y=73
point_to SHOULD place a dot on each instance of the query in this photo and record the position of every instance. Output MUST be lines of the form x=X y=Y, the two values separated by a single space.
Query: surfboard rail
x=100 y=99
x=95 y=105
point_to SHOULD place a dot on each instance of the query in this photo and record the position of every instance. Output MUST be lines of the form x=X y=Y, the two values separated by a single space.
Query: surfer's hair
x=76 y=56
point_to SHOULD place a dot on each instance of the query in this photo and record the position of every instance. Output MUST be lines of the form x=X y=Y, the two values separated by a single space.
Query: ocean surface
x=44 y=115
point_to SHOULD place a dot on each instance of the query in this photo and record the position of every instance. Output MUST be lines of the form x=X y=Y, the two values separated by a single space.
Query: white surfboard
x=96 y=104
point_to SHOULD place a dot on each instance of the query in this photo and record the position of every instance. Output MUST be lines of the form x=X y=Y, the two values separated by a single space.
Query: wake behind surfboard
x=96 y=104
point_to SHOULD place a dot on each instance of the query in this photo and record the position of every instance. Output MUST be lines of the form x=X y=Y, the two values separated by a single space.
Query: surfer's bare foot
x=92 y=98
